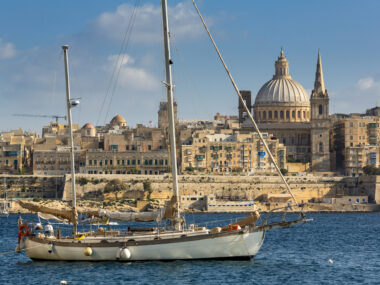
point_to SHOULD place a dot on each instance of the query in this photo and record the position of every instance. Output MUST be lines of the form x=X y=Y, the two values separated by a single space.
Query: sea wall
x=305 y=189
x=31 y=186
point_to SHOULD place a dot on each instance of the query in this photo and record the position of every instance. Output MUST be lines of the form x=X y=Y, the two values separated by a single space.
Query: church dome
x=118 y=121
x=88 y=126
x=282 y=90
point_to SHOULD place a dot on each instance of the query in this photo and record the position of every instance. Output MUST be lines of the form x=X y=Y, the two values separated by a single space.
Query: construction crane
x=56 y=117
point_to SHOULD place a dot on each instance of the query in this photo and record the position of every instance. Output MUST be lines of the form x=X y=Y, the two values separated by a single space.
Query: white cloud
x=183 y=21
x=130 y=74
x=357 y=98
x=366 y=83
x=7 y=50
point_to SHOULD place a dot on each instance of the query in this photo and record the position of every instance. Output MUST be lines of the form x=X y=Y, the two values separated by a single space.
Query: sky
x=116 y=56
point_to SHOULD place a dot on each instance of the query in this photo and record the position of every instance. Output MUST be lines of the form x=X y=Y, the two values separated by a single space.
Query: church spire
x=319 y=84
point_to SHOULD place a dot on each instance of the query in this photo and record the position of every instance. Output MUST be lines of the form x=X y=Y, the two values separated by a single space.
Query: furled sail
x=69 y=215
x=127 y=216
x=170 y=210
x=50 y=217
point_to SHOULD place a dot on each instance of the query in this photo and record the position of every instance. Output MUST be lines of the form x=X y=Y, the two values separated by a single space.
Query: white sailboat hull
x=220 y=246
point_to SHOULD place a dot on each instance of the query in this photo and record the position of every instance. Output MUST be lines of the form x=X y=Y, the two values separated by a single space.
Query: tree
x=114 y=185
x=147 y=185
x=189 y=169
x=371 y=170
x=284 y=171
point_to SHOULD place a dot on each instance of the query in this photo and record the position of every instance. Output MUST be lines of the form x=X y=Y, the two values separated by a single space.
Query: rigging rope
x=245 y=107
x=118 y=64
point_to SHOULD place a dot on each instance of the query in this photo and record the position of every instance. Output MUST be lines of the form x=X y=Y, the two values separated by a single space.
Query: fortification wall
x=305 y=189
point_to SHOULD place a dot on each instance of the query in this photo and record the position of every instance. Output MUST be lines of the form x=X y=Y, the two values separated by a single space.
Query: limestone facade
x=226 y=152
x=283 y=108
x=356 y=143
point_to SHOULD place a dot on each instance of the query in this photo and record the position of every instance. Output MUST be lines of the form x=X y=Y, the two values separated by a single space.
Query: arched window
x=293 y=114
x=299 y=114
x=320 y=109
x=321 y=147
x=264 y=115
x=275 y=114
x=259 y=115
x=281 y=114
x=287 y=114
x=270 y=114
x=304 y=114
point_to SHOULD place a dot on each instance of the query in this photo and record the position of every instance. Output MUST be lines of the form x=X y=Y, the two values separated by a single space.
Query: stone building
x=282 y=107
x=356 y=143
x=125 y=162
x=16 y=150
x=55 y=162
x=228 y=151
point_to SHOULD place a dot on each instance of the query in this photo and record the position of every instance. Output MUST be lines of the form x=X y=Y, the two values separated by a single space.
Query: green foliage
x=114 y=185
x=189 y=169
x=284 y=171
x=147 y=185
x=371 y=170
x=36 y=200
x=237 y=169
x=82 y=181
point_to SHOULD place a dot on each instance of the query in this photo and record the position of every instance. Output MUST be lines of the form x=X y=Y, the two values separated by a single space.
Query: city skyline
x=249 y=35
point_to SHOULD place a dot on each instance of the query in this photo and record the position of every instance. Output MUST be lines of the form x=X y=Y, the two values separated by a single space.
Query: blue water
x=298 y=255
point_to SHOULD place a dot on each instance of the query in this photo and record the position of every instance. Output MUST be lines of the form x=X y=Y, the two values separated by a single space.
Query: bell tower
x=320 y=122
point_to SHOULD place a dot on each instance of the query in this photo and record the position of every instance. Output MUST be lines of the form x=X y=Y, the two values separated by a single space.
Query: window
x=95 y=162
x=149 y=147
x=127 y=147
x=281 y=114
x=264 y=115
x=275 y=114
x=320 y=147
x=118 y=162
x=287 y=114
x=270 y=114
x=299 y=114
x=320 y=109
x=166 y=162
x=293 y=114
x=105 y=162
x=122 y=161
x=304 y=114
x=90 y=161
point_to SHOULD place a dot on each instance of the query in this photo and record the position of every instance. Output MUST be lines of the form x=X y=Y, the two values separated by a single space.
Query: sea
x=334 y=248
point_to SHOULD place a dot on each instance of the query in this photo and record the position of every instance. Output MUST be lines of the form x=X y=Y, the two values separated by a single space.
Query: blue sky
x=248 y=33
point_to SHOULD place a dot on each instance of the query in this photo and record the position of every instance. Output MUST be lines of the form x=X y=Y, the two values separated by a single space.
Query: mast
x=169 y=87
x=245 y=106
x=5 y=194
x=69 y=105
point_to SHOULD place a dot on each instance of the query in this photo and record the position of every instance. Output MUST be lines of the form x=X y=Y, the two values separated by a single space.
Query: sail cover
x=60 y=213
x=50 y=217
x=128 y=216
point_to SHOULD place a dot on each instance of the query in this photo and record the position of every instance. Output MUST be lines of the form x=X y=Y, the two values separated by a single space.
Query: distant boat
x=172 y=239
x=4 y=212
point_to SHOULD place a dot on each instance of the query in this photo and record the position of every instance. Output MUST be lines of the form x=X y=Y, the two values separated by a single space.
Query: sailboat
x=4 y=212
x=173 y=239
